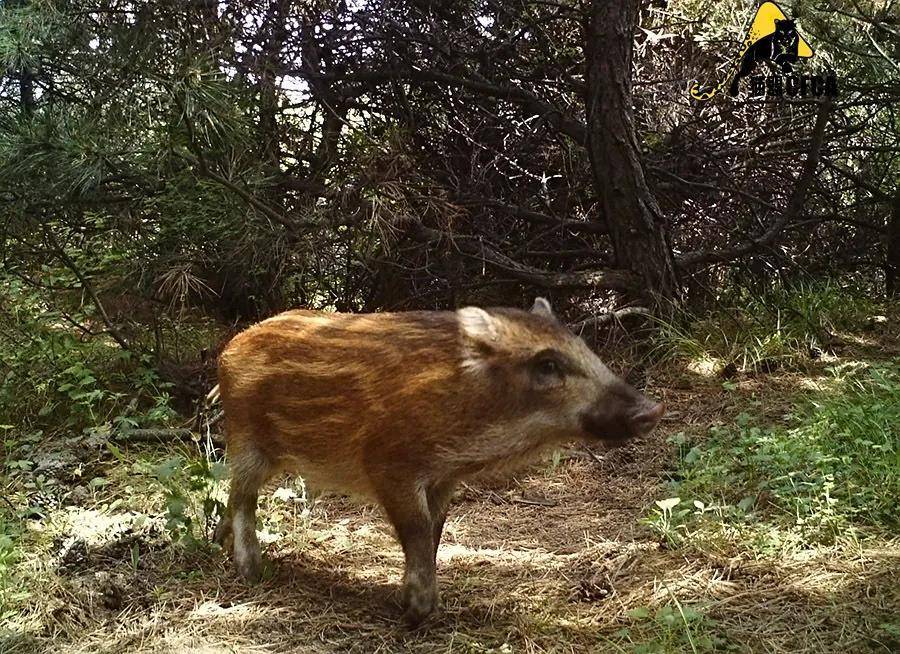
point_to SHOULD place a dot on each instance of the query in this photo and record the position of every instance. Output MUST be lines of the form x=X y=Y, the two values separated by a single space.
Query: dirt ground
x=556 y=560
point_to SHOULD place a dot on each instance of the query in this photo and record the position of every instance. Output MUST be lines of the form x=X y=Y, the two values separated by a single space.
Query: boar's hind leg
x=409 y=512
x=249 y=471
x=224 y=531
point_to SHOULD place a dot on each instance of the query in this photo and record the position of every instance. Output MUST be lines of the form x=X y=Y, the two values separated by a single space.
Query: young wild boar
x=397 y=408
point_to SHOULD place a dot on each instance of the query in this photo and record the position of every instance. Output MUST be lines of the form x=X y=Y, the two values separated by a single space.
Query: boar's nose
x=646 y=415
x=622 y=412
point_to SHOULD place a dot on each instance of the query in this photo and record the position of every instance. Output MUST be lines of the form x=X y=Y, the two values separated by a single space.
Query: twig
x=522 y=500
x=603 y=318
x=476 y=248
x=153 y=435
x=788 y=216
x=111 y=329
x=598 y=459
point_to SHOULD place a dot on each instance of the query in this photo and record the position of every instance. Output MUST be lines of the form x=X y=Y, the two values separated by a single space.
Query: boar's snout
x=622 y=413
x=646 y=416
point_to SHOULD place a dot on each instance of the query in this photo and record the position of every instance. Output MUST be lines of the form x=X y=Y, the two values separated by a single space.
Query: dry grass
x=556 y=561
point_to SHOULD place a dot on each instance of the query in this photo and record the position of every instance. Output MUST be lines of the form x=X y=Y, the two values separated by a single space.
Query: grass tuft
x=784 y=327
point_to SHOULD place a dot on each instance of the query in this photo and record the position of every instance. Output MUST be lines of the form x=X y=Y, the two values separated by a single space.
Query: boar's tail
x=213 y=396
x=203 y=408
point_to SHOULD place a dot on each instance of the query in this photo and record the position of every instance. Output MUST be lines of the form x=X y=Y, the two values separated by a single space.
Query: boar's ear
x=542 y=308
x=478 y=325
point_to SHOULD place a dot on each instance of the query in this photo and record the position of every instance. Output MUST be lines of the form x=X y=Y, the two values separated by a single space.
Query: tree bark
x=26 y=91
x=636 y=224
x=268 y=63
x=892 y=258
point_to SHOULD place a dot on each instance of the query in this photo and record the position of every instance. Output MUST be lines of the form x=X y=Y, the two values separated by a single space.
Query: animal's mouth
x=610 y=430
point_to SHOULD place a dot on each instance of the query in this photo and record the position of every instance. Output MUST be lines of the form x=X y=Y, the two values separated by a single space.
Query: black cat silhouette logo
x=772 y=39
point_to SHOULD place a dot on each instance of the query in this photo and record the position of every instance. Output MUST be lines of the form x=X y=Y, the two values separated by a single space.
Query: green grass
x=781 y=327
x=15 y=586
x=830 y=472
x=673 y=627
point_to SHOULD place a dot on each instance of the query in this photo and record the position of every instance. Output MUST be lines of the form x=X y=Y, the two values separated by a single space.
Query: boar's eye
x=547 y=367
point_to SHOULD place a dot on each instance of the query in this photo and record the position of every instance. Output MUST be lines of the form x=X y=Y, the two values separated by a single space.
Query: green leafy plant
x=673 y=627
x=830 y=472
x=667 y=519
x=192 y=492
x=54 y=380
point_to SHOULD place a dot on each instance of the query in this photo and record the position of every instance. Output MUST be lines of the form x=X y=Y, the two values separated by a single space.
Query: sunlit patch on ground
x=706 y=366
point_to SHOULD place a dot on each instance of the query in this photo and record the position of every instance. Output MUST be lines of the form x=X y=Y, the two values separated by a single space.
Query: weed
x=830 y=473
x=53 y=378
x=192 y=495
x=673 y=627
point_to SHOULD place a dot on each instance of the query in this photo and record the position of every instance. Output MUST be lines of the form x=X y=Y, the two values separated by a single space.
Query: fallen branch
x=165 y=435
x=153 y=434
x=475 y=248
x=603 y=318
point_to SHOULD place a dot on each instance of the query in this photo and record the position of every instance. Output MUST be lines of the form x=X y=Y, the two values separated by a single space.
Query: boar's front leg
x=407 y=508
x=439 y=496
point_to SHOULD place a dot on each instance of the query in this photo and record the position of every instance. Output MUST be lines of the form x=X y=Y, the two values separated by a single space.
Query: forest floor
x=573 y=555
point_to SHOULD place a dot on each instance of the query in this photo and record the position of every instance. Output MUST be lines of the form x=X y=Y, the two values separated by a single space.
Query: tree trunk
x=26 y=76
x=268 y=65
x=892 y=258
x=636 y=225
x=26 y=91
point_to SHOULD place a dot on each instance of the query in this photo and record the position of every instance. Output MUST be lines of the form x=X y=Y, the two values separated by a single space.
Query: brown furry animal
x=397 y=408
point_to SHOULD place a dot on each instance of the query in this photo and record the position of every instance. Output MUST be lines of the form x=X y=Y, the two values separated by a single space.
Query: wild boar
x=397 y=408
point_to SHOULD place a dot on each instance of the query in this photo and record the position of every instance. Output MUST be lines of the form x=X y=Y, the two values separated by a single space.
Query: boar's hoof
x=247 y=560
x=419 y=603
x=250 y=568
x=224 y=536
